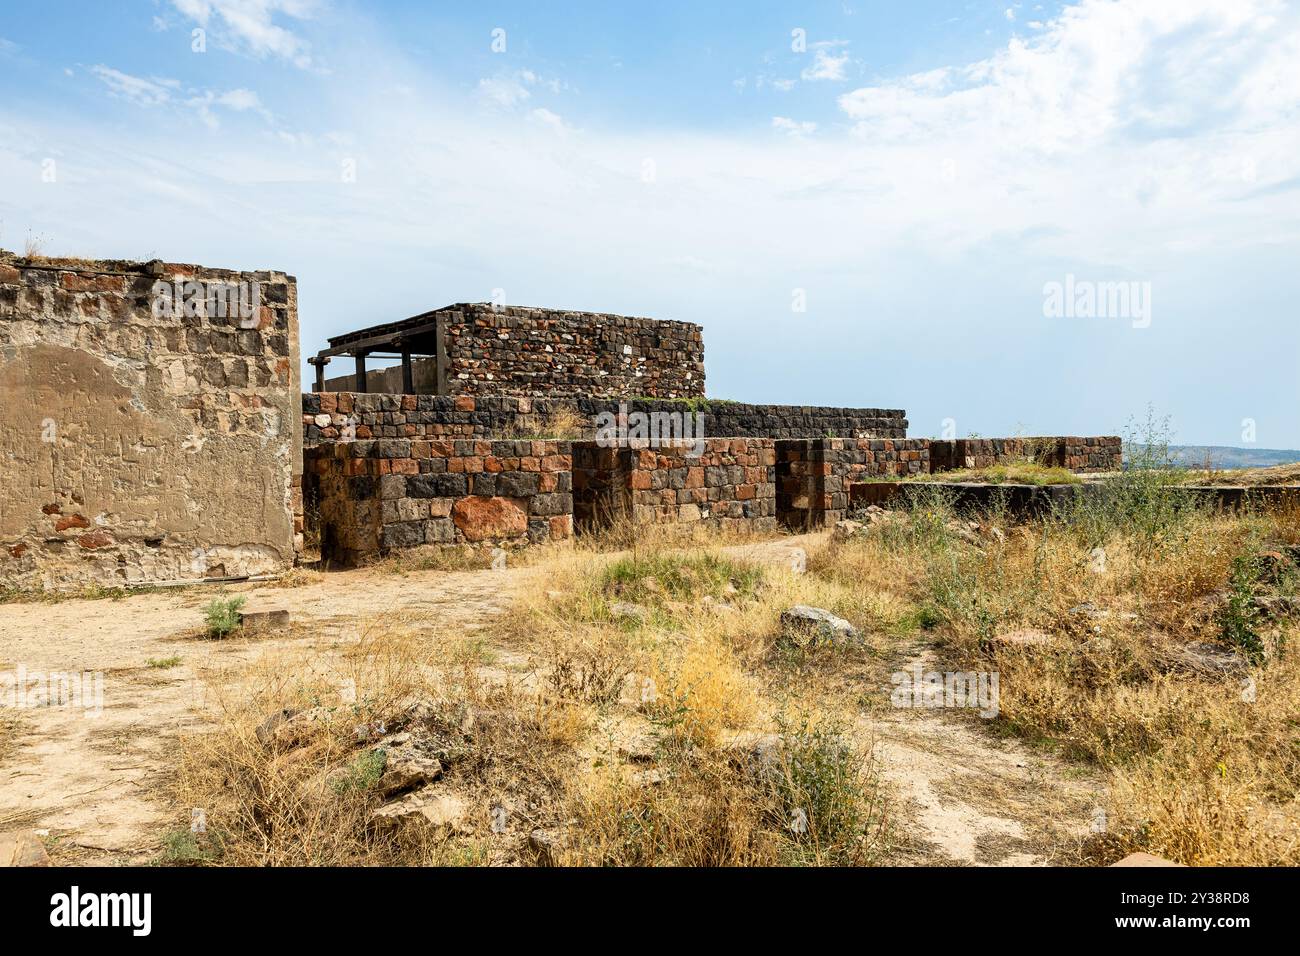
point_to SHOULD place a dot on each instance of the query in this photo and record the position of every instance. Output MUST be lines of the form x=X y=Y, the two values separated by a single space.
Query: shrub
x=1239 y=617
x=222 y=616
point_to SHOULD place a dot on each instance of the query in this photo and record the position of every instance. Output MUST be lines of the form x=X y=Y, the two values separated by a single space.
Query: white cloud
x=785 y=86
x=793 y=127
x=161 y=91
x=151 y=92
x=550 y=120
x=507 y=90
x=1162 y=67
x=247 y=26
x=826 y=66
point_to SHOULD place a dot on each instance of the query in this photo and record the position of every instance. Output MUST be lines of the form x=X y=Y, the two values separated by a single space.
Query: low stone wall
x=376 y=496
x=813 y=475
x=732 y=483
x=1082 y=455
x=331 y=415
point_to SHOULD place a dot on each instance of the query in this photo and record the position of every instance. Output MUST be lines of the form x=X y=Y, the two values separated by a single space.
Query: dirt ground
x=93 y=784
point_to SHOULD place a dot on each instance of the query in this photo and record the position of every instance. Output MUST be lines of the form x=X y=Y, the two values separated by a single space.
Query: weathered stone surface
x=406 y=766
x=170 y=438
x=424 y=808
x=22 y=848
x=624 y=611
x=483 y=519
x=264 y=617
x=806 y=625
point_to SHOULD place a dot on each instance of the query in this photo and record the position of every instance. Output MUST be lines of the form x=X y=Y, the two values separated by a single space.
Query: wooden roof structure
x=423 y=334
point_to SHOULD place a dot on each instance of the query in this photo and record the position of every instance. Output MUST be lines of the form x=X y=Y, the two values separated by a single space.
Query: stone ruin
x=155 y=430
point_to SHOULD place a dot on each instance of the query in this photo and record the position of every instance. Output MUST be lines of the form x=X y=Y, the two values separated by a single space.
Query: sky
x=864 y=204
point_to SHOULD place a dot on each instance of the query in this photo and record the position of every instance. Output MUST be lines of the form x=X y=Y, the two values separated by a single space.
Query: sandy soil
x=94 y=781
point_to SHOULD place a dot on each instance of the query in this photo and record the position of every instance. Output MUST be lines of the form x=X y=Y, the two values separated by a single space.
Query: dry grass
x=1205 y=767
x=1022 y=473
x=641 y=704
x=12 y=726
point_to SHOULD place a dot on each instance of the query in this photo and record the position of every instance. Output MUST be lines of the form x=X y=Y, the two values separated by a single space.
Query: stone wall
x=813 y=475
x=377 y=496
x=732 y=483
x=1078 y=454
x=144 y=444
x=515 y=350
x=327 y=414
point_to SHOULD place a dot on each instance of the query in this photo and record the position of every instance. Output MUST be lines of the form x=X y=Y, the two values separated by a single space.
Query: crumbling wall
x=378 y=496
x=142 y=440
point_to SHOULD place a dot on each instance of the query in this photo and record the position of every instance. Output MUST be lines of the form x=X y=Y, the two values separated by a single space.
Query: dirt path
x=967 y=797
x=93 y=780
x=91 y=776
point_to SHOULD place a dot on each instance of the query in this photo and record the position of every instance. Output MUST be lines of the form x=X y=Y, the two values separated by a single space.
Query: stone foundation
x=378 y=496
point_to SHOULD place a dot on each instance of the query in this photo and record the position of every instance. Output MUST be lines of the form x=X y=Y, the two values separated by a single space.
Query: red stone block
x=640 y=480
x=75 y=282
x=464 y=403
x=561 y=526
x=95 y=539
x=10 y=274
x=530 y=464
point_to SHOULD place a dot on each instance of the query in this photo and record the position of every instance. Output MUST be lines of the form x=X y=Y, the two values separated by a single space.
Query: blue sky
x=914 y=175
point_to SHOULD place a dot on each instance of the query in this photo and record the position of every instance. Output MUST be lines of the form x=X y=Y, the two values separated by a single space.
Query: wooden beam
x=440 y=363
x=408 y=380
x=361 y=383
x=376 y=342
x=320 y=364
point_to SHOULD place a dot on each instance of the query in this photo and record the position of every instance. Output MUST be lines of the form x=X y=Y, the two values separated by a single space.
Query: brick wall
x=515 y=350
x=731 y=484
x=1078 y=454
x=144 y=444
x=372 y=415
x=377 y=496
x=813 y=474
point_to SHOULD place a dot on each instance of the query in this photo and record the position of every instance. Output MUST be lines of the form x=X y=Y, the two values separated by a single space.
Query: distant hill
x=1223 y=456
